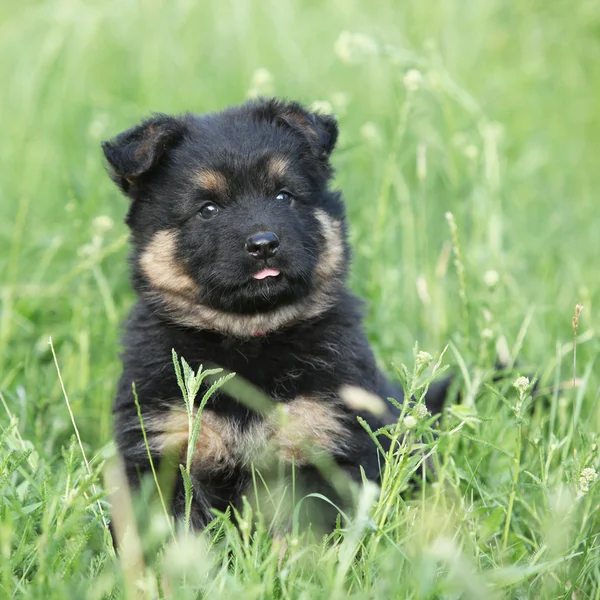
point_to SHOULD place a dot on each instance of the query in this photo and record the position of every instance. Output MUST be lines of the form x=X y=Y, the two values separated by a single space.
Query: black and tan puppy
x=240 y=259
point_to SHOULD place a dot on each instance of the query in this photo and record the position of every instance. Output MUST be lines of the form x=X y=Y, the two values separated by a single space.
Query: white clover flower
x=262 y=77
x=521 y=384
x=102 y=224
x=589 y=474
x=323 y=107
x=370 y=132
x=420 y=411
x=413 y=80
x=262 y=83
x=409 y=422
x=491 y=278
x=354 y=47
x=423 y=360
x=587 y=477
x=494 y=130
x=244 y=525
x=342 y=46
x=487 y=334
x=86 y=250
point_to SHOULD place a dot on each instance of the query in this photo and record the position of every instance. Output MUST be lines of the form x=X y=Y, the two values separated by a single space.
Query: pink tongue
x=266 y=273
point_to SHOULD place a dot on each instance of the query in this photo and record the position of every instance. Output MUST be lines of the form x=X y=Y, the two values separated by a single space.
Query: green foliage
x=470 y=137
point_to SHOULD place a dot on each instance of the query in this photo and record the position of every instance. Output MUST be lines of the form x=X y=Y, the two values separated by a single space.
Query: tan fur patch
x=215 y=446
x=294 y=431
x=307 y=426
x=278 y=166
x=169 y=432
x=185 y=311
x=159 y=263
x=331 y=259
x=301 y=119
x=212 y=181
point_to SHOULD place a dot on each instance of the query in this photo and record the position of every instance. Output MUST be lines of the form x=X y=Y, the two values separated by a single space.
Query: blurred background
x=485 y=109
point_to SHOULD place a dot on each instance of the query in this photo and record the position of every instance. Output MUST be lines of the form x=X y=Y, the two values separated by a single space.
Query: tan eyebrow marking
x=212 y=181
x=278 y=166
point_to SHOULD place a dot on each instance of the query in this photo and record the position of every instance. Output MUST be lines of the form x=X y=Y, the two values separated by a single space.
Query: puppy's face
x=234 y=228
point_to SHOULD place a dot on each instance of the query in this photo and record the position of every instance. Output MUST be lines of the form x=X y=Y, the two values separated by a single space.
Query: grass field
x=484 y=109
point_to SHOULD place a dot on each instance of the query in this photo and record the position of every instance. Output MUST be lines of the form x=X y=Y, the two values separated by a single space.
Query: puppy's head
x=233 y=225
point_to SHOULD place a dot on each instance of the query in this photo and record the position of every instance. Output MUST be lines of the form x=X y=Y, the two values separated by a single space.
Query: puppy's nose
x=263 y=245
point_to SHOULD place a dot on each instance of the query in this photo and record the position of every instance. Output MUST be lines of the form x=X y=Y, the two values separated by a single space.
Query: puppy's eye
x=208 y=210
x=284 y=197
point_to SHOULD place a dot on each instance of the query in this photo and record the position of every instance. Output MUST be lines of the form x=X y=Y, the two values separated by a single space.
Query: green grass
x=502 y=131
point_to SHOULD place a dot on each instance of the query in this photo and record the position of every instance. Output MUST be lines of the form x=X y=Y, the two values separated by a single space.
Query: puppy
x=240 y=260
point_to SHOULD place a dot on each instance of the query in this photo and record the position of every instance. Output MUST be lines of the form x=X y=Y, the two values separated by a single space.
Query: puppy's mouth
x=265 y=273
x=262 y=288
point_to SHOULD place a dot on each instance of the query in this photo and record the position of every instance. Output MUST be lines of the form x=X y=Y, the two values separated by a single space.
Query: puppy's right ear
x=133 y=154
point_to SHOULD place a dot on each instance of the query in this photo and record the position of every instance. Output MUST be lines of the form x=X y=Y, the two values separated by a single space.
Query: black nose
x=263 y=245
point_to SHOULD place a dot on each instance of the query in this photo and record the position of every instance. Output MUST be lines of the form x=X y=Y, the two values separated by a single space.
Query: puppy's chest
x=285 y=371
x=296 y=431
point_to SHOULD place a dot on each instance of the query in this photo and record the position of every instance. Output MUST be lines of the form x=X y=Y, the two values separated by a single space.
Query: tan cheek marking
x=331 y=258
x=159 y=264
x=278 y=166
x=212 y=181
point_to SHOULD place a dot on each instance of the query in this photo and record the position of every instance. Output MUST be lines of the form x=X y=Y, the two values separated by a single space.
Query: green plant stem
x=513 y=492
x=154 y=475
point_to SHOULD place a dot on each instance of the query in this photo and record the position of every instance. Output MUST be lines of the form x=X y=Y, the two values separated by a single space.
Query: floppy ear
x=319 y=130
x=135 y=152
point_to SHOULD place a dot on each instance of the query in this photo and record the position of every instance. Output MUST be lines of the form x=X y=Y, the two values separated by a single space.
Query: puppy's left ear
x=319 y=130
x=135 y=153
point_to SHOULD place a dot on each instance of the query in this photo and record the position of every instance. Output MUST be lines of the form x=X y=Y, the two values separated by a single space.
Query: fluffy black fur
x=294 y=335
